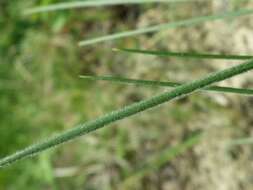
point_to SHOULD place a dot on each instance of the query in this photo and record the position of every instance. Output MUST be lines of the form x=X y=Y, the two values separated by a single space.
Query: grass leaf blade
x=156 y=83
x=157 y=161
x=242 y=141
x=192 y=55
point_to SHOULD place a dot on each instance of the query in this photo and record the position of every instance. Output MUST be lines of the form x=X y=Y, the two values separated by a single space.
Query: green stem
x=126 y=112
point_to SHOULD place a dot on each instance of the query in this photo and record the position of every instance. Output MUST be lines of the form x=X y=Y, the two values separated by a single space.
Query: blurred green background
x=41 y=94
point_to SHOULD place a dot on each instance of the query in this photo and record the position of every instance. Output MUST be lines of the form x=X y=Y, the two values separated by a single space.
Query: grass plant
x=179 y=90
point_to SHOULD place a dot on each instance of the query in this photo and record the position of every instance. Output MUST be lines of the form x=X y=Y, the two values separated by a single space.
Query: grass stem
x=126 y=112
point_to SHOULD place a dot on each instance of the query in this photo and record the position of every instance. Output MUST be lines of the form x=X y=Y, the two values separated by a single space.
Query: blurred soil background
x=41 y=94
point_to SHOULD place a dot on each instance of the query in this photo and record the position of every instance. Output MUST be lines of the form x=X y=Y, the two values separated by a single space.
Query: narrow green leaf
x=189 y=22
x=185 y=54
x=157 y=161
x=93 y=3
x=243 y=141
x=126 y=112
x=156 y=83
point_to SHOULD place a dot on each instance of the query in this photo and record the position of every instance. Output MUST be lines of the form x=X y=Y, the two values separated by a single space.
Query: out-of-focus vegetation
x=40 y=90
x=41 y=94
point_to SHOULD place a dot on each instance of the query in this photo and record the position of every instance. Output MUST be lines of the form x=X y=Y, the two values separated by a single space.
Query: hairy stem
x=127 y=112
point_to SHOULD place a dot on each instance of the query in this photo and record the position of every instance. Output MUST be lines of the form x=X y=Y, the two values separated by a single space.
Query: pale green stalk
x=94 y=3
x=189 y=22
x=126 y=112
